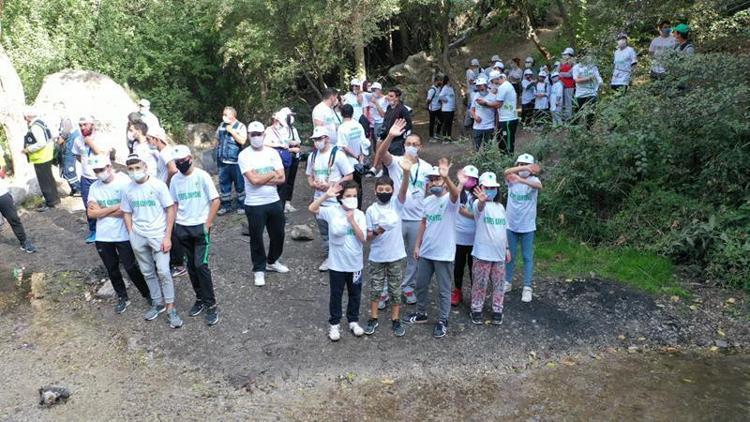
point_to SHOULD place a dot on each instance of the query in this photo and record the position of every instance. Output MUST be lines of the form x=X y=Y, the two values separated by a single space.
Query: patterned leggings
x=484 y=272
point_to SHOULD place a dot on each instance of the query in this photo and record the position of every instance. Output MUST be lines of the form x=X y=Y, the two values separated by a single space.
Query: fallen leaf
x=641 y=338
x=694 y=307
x=713 y=349
x=621 y=337
x=568 y=361
x=721 y=333
x=731 y=301
x=675 y=298
x=551 y=364
x=688 y=380
x=388 y=381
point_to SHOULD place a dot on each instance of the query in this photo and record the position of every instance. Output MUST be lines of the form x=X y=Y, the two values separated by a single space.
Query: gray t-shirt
x=521 y=207
x=659 y=47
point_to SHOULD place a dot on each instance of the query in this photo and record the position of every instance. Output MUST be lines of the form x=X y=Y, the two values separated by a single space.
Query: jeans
x=442 y=270
x=463 y=257
x=85 y=186
x=353 y=284
x=47 y=183
x=152 y=262
x=481 y=136
x=506 y=135
x=271 y=218
x=229 y=174
x=8 y=210
x=114 y=253
x=68 y=172
x=446 y=123
x=567 y=105
x=434 y=122
x=286 y=189
x=527 y=251
x=527 y=113
x=409 y=231
x=196 y=242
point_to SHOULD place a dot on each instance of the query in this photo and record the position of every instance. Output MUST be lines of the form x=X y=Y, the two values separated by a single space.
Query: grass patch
x=558 y=255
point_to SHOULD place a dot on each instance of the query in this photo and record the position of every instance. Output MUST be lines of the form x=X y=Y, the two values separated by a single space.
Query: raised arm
x=382 y=154
x=444 y=166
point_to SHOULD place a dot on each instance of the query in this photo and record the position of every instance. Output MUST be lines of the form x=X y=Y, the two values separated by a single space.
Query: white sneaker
x=323 y=265
x=356 y=329
x=334 y=332
x=508 y=286
x=526 y=295
x=289 y=208
x=277 y=267
x=379 y=174
x=260 y=278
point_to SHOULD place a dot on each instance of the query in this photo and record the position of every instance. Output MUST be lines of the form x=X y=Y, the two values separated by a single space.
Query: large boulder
x=200 y=138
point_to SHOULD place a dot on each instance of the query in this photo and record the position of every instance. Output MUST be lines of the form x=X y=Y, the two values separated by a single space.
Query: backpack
x=331 y=158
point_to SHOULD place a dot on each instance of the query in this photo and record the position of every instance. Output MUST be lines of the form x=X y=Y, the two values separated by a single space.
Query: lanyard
x=416 y=176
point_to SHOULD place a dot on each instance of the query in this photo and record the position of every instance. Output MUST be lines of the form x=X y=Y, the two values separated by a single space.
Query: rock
x=302 y=232
x=721 y=344
x=106 y=291
x=38 y=285
x=199 y=134
x=206 y=159
x=50 y=395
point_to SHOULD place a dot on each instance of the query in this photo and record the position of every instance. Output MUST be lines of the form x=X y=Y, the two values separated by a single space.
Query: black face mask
x=384 y=197
x=183 y=166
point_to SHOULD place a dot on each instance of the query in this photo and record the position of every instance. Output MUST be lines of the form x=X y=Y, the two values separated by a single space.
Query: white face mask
x=103 y=175
x=131 y=137
x=225 y=119
x=137 y=176
x=349 y=203
x=411 y=150
x=256 y=142
x=622 y=43
x=524 y=173
x=320 y=145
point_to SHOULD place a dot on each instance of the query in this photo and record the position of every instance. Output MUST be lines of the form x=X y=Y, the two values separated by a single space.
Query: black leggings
x=463 y=257
x=115 y=253
x=434 y=122
x=446 y=123
x=8 y=210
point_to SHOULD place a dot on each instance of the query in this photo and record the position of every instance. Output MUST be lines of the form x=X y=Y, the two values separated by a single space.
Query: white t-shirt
x=555 y=96
x=413 y=209
x=541 y=100
x=376 y=117
x=146 y=202
x=521 y=206
x=351 y=99
x=624 y=61
x=471 y=77
x=320 y=170
x=193 y=194
x=110 y=229
x=164 y=157
x=3 y=182
x=389 y=246
x=84 y=151
x=345 y=250
x=331 y=120
x=149 y=156
x=465 y=227
x=491 y=238
x=590 y=87
x=352 y=135
x=660 y=46
x=447 y=98
x=439 y=239
x=433 y=96
x=507 y=94
x=487 y=114
x=264 y=161
x=528 y=91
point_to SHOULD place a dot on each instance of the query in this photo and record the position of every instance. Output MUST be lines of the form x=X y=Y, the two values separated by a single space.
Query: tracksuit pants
x=196 y=242
x=115 y=253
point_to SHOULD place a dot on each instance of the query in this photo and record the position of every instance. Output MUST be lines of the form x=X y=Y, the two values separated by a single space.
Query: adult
x=231 y=137
x=355 y=98
x=683 y=45
x=515 y=74
x=66 y=161
x=352 y=142
x=472 y=73
x=396 y=110
x=147 y=117
x=284 y=138
x=143 y=147
x=507 y=116
x=165 y=167
x=83 y=148
x=378 y=105
x=447 y=97
x=528 y=63
x=660 y=47
x=325 y=115
x=433 y=106
x=9 y=212
x=624 y=61
x=569 y=84
x=483 y=113
x=588 y=80
x=132 y=119
x=112 y=239
x=39 y=148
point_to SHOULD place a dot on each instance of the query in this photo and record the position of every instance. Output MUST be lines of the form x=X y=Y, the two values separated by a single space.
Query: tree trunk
x=525 y=12
x=568 y=30
x=12 y=101
x=445 y=21
x=360 y=69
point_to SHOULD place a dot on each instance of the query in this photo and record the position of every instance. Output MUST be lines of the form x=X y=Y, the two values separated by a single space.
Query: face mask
x=622 y=43
x=411 y=150
x=131 y=137
x=256 y=142
x=137 y=176
x=666 y=31
x=183 y=166
x=528 y=65
x=565 y=57
x=491 y=194
x=436 y=190
x=384 y=197
x=103 y=175
x=319 y=145
x=225 y=119
x=483 y=93
x=524 y=173
x=86 y=132
x=349 y=203
x=470 y=183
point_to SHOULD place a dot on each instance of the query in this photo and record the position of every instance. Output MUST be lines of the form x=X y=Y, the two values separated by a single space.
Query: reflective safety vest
x=45 y=154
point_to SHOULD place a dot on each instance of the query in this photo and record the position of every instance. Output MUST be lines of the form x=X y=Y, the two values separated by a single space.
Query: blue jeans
x=85 y=185
x=481 y=136
x=68 y=172
x=527 y=251
x=229 y=174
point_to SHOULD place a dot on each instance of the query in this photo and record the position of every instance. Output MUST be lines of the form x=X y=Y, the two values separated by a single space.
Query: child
x=523 y=190
x=346 y=230
x=556 y=99
x=541 y=96
x=528 y=95
x=387 y=253
x=465 y=228
x=490 y=250
x=435 y=247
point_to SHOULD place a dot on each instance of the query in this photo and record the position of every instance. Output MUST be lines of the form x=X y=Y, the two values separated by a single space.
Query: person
x=283 y=136
x=527 y=97
x=143 y=147
x=39 y=148
x=197 y=202
x=387 y=253
x=472 y=73
x=465 y=228
x=231 y=137
x=515 y=74
x=326 y=166
x=84 y=147
x=447 y=98
x=541 y=96
x=378 y=105
x=588 y=80
x=660 y=47
x=324 y=114
x=165 y=167
x=353 y=143
x=490 y=250
x=683 y=44
x=348 y=228
x=355 y=98
x=147 y=117
x=412 y=211
x=523 y=192
x=396 y=111
x=435 y=247
x=263 y=171
x=624 y=62
x=129 y=138
x=112 y=238
x=556 y=94
x=149 y=214
x=483 y=113
x=433 y=107
x=8 y=209
x=528 y=64
x=66 y=161
x=569 y=84
x=507 y=115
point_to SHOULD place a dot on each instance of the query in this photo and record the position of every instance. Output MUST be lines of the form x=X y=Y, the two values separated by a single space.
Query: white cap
x=376 y=85
x=499 y=64
x=474 y=62
x=471 y=171
x=528 y=72
x=98 y=162
x=569 y=52
x=157 y=132
x=432 y=172
x=356 y=82
x=529 y=59
x=144 y=103
x=557 y=64
x=542 y=74
x=30 y=111
x=554 y=75
x=282 y=114
x=256 y=126
x=622 y=35
x=480 y=81
x=180 y=151
x=495 y=58
x=319 y=132
x=86 y=119
x=488 y=180
x=134 y=158
x=525 y=158
x=495 y=74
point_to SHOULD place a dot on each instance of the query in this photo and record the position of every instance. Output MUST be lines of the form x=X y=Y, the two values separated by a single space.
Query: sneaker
x=508 y=286
x=240 y=211
x=441 y=328
x=497 y=318
x=455 y=297
x=222 y=211
x=289 y=208
x=411 y=298
x=28 y=247
x=382 y=301
x=174 y=320
x=372 y=324
x=43 y=208
x=260 y=278
x=398 y=329
x=334 y=332
x=356 y=329
x=212 y=315
x=122 y=305
x=154 y=312
x=179 y=270
x=526 y=295
x=379 y=174
x=197 y=308
x=416 y=318
x=91 y=239
x=476 y=318
x=277 y=267
x=323 y=265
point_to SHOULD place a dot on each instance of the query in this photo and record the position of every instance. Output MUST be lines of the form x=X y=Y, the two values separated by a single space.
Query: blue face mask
x=436 y=190
x=491 y=194
x=666 y=31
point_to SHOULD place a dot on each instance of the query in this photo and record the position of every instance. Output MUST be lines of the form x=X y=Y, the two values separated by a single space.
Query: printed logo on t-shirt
x=432 y=218
x=264 y=170
x=143 y=203
x=109 y=202
x=494 y=221
x=183 y=196
x=520 y=197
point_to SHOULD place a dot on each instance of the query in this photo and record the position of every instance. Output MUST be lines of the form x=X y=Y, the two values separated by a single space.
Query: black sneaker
x=28 y=247
x=122 y=305
x=372 y=324
x=441 y=328
x=197 y=308
x=476 y=318
x=416 y=318
x=43 y=208
x=398 y=329
x=497 y=318
x=212 y=315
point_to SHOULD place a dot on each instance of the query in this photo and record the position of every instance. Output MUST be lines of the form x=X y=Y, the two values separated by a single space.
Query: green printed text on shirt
x=520 y=197
x=144 y=203
x=432 y=218
x=108 y=202
x=184 y=196
x=264 y=170
x=494 y=221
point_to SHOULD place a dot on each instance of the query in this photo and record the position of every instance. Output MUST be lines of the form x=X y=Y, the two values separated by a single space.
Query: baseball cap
x=569 y=51
x=480 y=81
x=319 y=132
x=474 y=62
x=528 y=72
x=157 y=132
x=499 y=64
x=681 y=28
x=542 y=74
x=495 y=74
x=622 y=35
x=97 y=162
x=529 y=59
x=488 y=180
x=144 y=103
x=133 y=158
x=376 y=85
x=180 y=151
x=554 y=75
x=86 y=119
x=495 y=58
x=525 y=158
x=356 y=82
x=433 y=172
x=471 y=171
x=256 y=126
